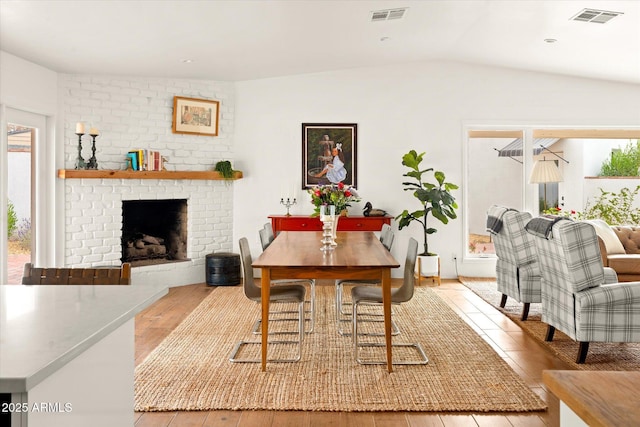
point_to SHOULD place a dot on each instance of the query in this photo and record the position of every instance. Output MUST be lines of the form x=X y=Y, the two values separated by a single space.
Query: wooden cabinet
x=345 y=223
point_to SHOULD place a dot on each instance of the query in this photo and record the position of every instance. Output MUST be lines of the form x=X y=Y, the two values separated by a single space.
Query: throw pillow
x=611 y=242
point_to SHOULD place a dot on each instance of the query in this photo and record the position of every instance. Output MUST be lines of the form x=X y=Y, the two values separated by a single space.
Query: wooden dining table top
x=356 y=249
x=297 y=255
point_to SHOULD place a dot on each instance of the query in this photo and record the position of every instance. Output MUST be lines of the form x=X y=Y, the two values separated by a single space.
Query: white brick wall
x=136 y=113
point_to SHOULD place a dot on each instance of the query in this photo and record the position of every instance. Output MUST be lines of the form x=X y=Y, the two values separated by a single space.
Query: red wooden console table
x=345 y=223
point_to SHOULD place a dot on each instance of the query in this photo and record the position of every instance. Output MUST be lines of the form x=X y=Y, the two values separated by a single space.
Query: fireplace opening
x=154 y=231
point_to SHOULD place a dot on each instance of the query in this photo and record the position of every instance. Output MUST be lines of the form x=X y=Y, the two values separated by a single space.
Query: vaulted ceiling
x=245 y=40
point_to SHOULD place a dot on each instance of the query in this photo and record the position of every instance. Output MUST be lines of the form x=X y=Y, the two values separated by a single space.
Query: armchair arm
x=617 y=294
x=610 y=275
x=608 y=313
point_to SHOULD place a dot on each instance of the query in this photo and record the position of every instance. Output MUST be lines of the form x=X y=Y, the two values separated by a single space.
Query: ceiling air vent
x=387 y=14
x=595 y=16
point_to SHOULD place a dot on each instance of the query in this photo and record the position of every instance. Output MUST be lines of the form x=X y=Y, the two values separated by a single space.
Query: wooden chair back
x=77 y=276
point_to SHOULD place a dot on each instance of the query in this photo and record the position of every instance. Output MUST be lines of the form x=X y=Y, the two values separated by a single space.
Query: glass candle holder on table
x=327 y=216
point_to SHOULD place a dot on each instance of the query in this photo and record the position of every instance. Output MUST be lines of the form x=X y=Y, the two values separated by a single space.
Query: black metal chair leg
x=550 y=331
x=525 y=311
x=582 y=351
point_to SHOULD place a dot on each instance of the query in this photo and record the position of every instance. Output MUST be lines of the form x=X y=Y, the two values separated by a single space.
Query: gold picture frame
x=195 y=116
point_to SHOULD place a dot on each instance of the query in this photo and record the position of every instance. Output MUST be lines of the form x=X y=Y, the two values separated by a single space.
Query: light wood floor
x=520 y=351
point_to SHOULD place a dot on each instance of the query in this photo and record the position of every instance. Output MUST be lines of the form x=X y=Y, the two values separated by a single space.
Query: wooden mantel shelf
x=124 y=174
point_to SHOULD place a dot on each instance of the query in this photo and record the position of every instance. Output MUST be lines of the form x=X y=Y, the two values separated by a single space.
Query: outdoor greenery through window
x=20 y=139
x=623 y=162
x=613 y=207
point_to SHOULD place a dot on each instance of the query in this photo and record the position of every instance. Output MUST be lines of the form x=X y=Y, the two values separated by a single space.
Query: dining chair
x=77 y=276
x=266 y=237
x=279 y=294
x=368 y=295
x=386 y=238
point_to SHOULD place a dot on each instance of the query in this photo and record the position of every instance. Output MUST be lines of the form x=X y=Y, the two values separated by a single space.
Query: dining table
x=298 y=255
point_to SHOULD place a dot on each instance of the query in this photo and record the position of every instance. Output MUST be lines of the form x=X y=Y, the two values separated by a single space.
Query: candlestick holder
x=93 y=162
x=288 y=203
x=80 y=163
x=327 y=216
x=327 y=236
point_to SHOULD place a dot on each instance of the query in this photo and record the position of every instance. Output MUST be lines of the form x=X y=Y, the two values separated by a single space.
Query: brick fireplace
x=136 y=113
x=94 y=223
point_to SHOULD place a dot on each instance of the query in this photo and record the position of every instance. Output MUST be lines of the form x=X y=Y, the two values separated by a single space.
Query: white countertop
x=43 y=327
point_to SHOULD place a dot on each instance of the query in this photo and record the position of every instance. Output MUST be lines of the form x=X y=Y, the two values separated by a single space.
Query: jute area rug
x=601 y=356
x=190 y=369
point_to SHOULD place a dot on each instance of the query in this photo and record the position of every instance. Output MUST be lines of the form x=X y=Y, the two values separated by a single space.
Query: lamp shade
x=545 y=171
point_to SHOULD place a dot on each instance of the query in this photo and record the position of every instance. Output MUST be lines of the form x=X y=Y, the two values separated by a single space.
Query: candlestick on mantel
x=93 y=162
x=80 y=163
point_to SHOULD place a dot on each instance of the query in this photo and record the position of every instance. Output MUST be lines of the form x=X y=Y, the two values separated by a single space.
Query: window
x=498 y=163
x=494 y=176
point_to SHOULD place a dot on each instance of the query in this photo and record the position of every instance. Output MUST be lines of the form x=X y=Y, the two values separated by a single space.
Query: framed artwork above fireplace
x=195 y=116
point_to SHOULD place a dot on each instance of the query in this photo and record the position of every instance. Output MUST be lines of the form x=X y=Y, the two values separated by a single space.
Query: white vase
x=334 y=231
x=328 y=218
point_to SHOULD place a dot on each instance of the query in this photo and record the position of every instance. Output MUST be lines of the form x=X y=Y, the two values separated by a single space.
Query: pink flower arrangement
x=339 y=195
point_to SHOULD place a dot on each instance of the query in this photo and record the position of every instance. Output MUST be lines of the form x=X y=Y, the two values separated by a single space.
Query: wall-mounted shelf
x=124 y=174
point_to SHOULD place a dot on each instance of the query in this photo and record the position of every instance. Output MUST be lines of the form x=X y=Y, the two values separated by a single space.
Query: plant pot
x=429 y=265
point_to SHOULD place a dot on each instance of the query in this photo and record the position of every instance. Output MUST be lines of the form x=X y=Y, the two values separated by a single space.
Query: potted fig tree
x=435 y=199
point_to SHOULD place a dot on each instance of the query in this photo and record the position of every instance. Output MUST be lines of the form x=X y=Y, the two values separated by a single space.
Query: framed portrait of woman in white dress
x=329 y=154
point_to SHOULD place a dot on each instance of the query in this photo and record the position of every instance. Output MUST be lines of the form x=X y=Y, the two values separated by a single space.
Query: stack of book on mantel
x=145 y=160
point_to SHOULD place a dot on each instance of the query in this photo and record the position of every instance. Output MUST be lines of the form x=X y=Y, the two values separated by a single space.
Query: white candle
x=324 y=214
x=94 y=131
x=79 y=127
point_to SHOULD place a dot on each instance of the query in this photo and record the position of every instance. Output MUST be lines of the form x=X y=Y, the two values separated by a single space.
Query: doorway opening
x=20 y=143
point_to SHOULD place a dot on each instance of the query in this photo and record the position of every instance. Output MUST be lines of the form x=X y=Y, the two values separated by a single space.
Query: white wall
x=421 y=106
x=27 y=86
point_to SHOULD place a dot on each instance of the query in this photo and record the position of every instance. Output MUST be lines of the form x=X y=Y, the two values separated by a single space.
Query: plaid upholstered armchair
x=578 y=296
x=517 y=270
